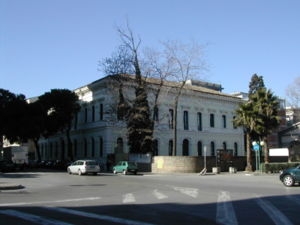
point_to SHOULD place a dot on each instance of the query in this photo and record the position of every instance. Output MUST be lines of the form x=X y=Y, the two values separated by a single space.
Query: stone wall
x=178 y=164
x=192 y=164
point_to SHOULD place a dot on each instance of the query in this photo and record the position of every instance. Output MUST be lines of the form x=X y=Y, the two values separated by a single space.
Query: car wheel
x=79 y=172
x=288 y=180
x=124 y=172
x=114 y=171
x=69 y=171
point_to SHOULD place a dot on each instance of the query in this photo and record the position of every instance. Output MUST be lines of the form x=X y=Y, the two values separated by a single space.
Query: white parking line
x=49 y=202
x=98 y=217
x=32 y=218
x=225 y=210
x=277 y=217
x=128 y=198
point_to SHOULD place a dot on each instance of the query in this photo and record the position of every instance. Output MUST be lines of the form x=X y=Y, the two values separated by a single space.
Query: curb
x=10 y=186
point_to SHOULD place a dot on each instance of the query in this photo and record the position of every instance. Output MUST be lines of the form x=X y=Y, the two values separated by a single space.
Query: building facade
x=204 y=120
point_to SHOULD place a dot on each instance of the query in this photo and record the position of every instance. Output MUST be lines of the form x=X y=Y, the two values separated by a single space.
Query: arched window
x=224 y=146
x=100 y=146
x=235 y=149
x=75 y=148
x=185 y=147
x=155 y=147
x=170 y=147
x=212 y=148
x=199 y=148
x=62 y=144
x=85 y=147
x=93 y=147
x=119 y=145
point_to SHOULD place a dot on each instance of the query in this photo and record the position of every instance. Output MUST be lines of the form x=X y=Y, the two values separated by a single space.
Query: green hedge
x=277 y=167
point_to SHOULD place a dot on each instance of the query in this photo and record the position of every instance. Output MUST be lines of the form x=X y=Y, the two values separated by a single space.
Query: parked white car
x=84 y=167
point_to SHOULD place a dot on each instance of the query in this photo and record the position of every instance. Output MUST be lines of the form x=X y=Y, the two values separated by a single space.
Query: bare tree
x=176 y=61
x=185 y=62
x=293 y=93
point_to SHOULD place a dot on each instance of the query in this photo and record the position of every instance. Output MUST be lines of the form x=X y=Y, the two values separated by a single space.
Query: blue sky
x=46 y=44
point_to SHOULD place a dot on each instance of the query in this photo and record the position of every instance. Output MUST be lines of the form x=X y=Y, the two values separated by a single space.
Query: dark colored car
x=125 y=167
x=7 y=166
x=290 y=176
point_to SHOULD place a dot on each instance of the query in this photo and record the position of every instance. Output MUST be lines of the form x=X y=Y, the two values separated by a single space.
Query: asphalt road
x=148 y=199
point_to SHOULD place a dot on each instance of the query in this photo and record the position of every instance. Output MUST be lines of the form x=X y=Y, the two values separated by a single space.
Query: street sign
x=256 y=147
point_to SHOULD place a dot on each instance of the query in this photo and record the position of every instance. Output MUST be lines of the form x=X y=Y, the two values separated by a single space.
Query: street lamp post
x=204 y=157
x=256 y=150
x=203 y=172
x=257 y=147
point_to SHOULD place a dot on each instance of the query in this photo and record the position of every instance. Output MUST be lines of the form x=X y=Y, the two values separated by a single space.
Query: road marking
x=99 y=217
x=32 y=218
x=277 y=217
x=159 y=195
x=49 y=202
x=128 y=198
x=225 y=210
x=192 y=192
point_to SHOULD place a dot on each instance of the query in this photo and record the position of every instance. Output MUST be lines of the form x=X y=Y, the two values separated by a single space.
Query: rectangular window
x=212 y=120
x=171 y=118
x=185 y=120
x=233 y=123
x=93 y=113
x=155 y=114
x=224 y=121
x=101 y=111
x=85 y=115
x=199 y=121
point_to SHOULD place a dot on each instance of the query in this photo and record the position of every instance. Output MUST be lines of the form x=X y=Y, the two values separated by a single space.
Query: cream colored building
x=204 y=120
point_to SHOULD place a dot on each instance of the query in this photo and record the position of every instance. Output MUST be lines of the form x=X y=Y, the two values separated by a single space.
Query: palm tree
x=266 y=107
x=245 y=117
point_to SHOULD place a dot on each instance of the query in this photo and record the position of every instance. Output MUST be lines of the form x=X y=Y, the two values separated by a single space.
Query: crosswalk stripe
x=33 y=218
x=128 y=198
x=192 y=192
x=225 y=211
x=276 y=215
x=99 y=217
x=159 y=195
